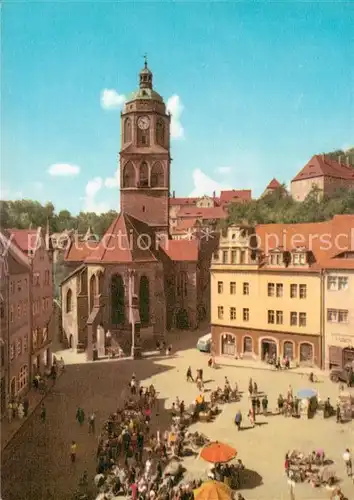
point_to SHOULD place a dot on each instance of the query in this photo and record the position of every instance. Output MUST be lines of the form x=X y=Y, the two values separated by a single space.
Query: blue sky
x=257 y=88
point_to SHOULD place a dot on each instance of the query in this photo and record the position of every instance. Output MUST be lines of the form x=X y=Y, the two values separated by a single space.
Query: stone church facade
x=137 y=275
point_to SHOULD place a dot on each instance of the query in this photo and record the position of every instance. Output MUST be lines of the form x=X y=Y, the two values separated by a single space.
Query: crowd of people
x=136 y=459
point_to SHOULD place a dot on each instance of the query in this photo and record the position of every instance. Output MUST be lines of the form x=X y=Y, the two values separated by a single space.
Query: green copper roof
x=145 y=94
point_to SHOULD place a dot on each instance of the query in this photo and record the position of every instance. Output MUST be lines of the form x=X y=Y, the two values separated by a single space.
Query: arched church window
x=157 y=175
x=144 y=175
x=160 y=133
x=129 y=175
x=127 y=130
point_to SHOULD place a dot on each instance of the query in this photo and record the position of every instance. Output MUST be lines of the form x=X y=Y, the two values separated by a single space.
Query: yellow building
x=339 y=317
x=268 y=290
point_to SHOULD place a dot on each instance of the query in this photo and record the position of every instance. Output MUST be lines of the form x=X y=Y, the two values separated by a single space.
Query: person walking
x=347 y=461
x=92 y=419
x=80 y=416
x=238 y=420
x=189 y=375
x=43 y=413
x=73 y=448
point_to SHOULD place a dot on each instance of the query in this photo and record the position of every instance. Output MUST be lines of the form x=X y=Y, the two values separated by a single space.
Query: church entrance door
x=182 y=320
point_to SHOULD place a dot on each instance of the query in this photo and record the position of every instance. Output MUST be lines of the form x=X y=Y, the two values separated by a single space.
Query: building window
x=247 y=344
x=271 y=289
x=293 y=291
x=337 y=316
x=23 y=378
x=302 y=319
x=11 y=314
x=233 y=257
x=19 y=310
x=280 y=289
x=2 y=354
x=232 y=287
x=25 y=343
x=216 y=255
x=12 y=351
x=342 y=316
x=246 y=314
x=26 y=283
x=25 y=304
x=335 y=283
x=246 y=288
x=43 y=303
x=302 y=291
x=242 y=257
x=232 y=313
x=220 y=312
x=12 y=287
x=35 y=279
x=279 y=317
x=19 y=285
x=18 y=347
x=69 y=298
x=271 y=317
x=220 y=287
x=342 y=283
x=293 y=318
x=46 y=277
x=2 y=310
x=224 y=257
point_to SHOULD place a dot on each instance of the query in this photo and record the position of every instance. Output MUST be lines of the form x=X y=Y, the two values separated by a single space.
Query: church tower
x=145 y=156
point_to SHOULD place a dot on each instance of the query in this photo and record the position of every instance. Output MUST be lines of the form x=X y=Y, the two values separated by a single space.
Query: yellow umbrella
x=213 y=490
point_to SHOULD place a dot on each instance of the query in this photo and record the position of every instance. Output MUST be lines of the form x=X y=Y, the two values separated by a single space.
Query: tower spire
x=145 y=76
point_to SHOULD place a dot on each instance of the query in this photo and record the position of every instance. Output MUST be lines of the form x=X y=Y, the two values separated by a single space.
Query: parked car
x=204 y=343
x=342 y=374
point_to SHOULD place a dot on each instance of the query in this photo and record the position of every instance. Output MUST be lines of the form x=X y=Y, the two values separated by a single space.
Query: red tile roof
x=182 y=250
x=183 y=201
x=205 y=213
x=235 y=195
x=274 y=184
x=79 y=250
x=326 y=240
x=25 y=239
x=126 y=240
x=322 y=166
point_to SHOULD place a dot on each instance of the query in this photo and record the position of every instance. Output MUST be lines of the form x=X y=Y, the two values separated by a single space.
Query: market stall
x=308 y=402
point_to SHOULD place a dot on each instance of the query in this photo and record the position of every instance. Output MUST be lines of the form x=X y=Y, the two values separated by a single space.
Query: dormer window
x=299 y=259
x=276 y=259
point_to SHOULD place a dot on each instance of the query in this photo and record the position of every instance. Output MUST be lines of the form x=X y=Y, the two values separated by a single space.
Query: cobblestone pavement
x=37 y=459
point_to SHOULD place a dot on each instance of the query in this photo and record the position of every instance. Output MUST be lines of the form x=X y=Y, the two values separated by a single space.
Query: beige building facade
x=339 y=317
x=258 y=312
x=285 y=290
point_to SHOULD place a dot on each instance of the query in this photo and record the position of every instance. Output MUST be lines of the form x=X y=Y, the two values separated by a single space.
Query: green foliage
x=345 y=155
x=278 y=207
x=24 y=214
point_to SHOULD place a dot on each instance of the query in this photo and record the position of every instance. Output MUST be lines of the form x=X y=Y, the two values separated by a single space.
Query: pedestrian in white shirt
x=348 y=461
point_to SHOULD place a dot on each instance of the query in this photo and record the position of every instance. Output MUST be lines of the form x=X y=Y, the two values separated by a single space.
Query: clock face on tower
x=143 y=122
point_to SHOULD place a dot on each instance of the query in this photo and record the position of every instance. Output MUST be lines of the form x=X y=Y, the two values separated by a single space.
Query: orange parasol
x=217 y=453
x=213 y=490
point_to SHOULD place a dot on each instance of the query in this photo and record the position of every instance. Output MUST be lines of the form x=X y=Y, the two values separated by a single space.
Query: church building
x=137 y=274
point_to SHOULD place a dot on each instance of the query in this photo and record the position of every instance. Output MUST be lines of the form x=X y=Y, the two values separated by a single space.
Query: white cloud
x=97 y=188
x=63 y=169
x=203 y=184
x=175 y=107
x=224 y=170
x=110 y=99
x=90 y=202
x=113 y=182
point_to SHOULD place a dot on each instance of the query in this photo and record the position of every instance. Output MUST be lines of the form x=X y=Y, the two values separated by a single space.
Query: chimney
x=339 y=158
x=323 y=157
x=214 y=194
x=174 y=194
x=348 y=161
